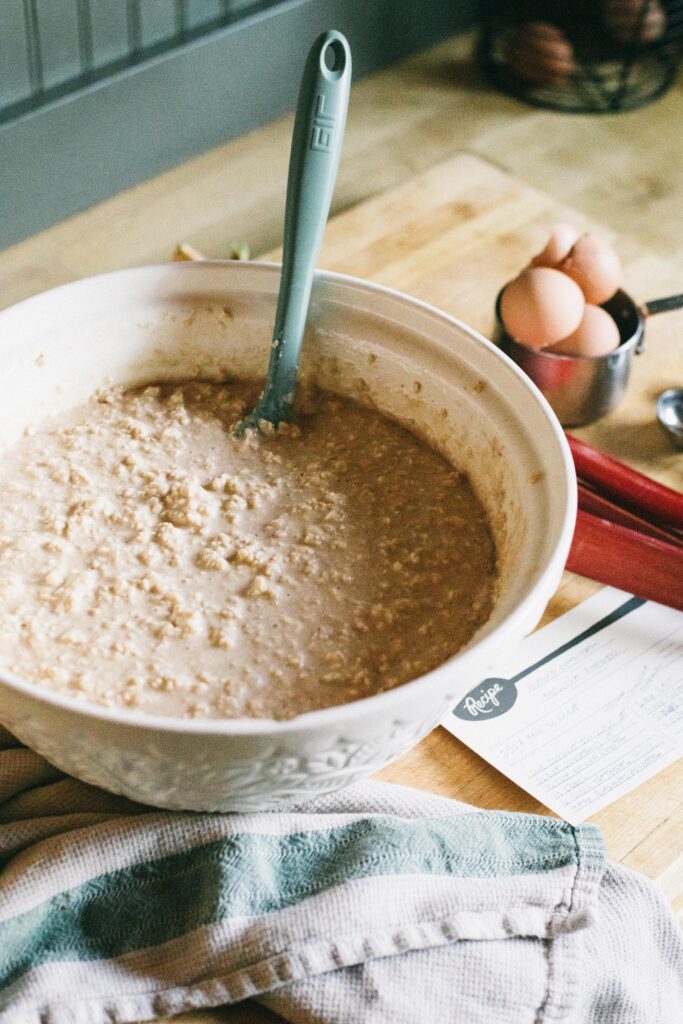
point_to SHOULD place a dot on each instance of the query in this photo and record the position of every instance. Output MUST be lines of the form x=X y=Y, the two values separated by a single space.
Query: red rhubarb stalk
x=620 y=557
x=639 y=493
x=598 y=505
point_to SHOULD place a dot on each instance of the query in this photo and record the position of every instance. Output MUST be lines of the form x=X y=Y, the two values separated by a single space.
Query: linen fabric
x=375 y=904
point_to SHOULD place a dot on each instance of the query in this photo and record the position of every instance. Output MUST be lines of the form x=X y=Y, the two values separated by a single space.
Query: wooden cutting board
x=453 y=237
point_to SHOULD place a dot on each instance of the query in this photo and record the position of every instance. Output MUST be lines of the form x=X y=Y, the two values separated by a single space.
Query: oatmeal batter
x=149 y=559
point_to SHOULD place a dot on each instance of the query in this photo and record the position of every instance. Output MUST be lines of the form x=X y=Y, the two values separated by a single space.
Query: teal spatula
x=316 y=147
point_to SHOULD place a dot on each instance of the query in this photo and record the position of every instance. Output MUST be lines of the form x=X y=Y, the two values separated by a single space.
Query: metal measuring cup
x=581 y=389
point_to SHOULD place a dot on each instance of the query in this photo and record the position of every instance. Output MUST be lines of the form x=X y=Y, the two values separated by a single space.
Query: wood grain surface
x=452 y=227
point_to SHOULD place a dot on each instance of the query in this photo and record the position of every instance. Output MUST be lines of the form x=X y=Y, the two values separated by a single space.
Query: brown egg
x=629 y=23
x=596 y=335
x=562 y=238
x=595 y=267
x=538 y=52
x=541 y=306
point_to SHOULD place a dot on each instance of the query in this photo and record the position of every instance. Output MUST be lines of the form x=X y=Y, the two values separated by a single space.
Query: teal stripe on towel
x=251 y=875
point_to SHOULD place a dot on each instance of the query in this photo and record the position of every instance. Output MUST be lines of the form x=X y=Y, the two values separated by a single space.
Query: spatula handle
x=316 y=148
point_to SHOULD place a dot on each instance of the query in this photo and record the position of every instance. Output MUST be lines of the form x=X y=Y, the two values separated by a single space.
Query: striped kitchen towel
x=376 y=904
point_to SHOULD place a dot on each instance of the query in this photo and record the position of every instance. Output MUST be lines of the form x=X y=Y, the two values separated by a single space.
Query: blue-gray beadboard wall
x=96 y=95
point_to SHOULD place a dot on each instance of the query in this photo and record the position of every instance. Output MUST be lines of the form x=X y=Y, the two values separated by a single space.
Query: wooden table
x=451 y=235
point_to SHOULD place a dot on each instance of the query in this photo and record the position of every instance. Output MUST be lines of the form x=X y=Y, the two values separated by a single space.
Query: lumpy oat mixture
x=150 y=559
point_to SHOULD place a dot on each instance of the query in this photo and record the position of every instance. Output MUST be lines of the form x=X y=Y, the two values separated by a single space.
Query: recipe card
x=586 y=708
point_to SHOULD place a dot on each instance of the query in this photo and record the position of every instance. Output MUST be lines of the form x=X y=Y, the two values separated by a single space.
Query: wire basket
x=582 y=56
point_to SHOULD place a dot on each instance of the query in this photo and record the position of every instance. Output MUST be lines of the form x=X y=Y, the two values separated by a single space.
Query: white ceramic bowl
x=214 y=320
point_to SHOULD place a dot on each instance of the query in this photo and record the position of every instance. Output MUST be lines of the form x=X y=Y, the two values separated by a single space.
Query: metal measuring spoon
x=670 y=414
x=316 y=148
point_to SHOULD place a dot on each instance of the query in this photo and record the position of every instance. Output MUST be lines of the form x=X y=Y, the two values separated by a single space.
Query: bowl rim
x=378 y=703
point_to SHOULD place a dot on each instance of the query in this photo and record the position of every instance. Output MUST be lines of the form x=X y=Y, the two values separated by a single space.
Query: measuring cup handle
x=662 y=305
